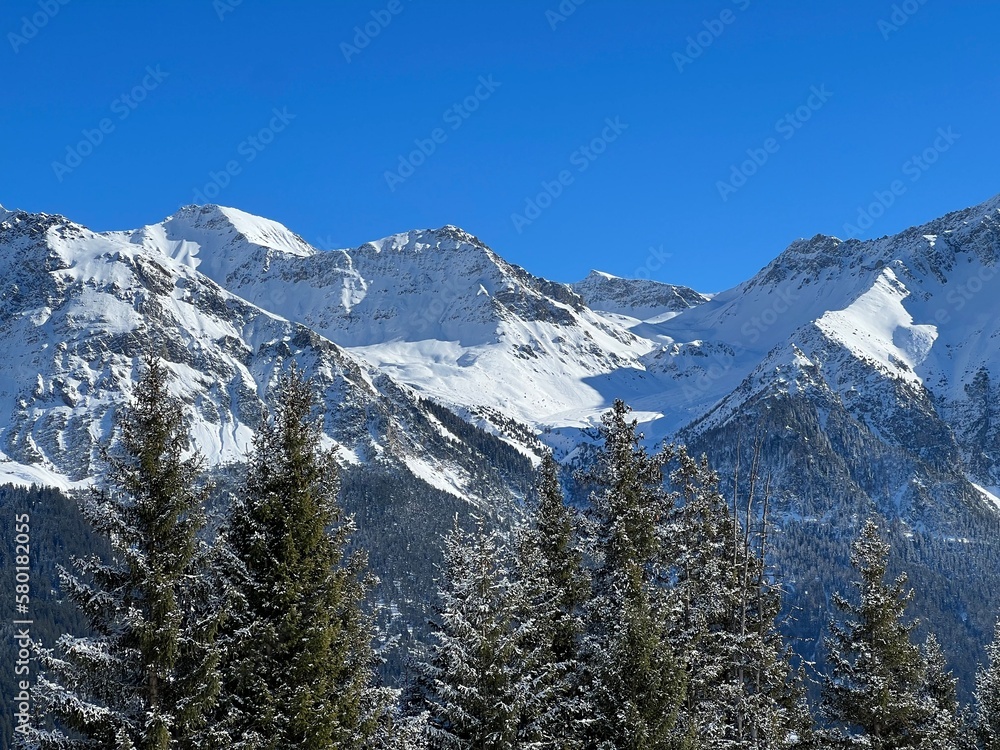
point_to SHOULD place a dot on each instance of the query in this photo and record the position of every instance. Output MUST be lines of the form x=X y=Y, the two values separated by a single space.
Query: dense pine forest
x=187 y=614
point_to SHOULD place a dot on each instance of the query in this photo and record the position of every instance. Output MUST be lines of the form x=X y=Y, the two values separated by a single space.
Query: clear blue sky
x=889 y=88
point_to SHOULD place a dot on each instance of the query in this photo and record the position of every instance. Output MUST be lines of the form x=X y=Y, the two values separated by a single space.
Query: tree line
x=648 y=621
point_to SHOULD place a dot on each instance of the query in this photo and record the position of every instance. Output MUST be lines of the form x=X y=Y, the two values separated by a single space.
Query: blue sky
x=684 y=141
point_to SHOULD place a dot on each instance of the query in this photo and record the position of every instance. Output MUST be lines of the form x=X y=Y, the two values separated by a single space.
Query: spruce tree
x=473 y=683
x=553 y=532
x=741 y=690
x=988 y=696
x=882 y=691
x=555 y=589
x=940 y=693
x=299 y=657
x=148 y=678
x=635 y=683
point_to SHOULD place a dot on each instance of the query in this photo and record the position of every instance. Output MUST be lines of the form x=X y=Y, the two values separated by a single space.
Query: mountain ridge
x=78 y=309
x=442 y=312
x=861 y=374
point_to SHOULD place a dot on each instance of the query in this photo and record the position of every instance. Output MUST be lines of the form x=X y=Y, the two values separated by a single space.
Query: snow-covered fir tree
x=555 y=589
x=741 y=691
x=988 y=696
x=474 y=682
x=636 y=685
x=299 y=662
x=148 y=678
x=883 y=691
x=945 y=727
x=402 y=732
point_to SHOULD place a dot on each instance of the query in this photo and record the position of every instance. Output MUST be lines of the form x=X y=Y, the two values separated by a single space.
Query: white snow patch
x=442 y=478
x=991 y=495
x=879 y=329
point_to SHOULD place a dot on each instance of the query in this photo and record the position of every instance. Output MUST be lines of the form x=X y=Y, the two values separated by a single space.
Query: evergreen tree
x=741 y=691
x=553 y=533
x=148 y=678
x=941 y=694
x=299 y=658
x=988 y=696
x=555 y=589
x=404 y=733
x=473 y=683
x=882 y=691
x=635 y=683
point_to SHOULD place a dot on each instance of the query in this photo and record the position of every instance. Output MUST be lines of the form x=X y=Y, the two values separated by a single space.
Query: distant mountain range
x=865 y=373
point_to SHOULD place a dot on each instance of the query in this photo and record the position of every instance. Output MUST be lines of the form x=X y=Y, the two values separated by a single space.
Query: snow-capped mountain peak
x=635 y=298
x=255 y=230
x=448 y=237
x=439 y=310
x=220 y=241
x=78 y=308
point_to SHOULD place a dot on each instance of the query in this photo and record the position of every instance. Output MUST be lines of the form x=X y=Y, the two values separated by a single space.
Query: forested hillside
x=290 y=604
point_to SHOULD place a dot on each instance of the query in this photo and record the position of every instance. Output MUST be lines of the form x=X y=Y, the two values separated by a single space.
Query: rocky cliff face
x=635 y=298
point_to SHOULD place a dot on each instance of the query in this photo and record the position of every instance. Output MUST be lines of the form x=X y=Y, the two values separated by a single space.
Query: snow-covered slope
x=77 y=309
x=436 y=309
x=918 y=307
x=879 y=357
x=468 y=328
